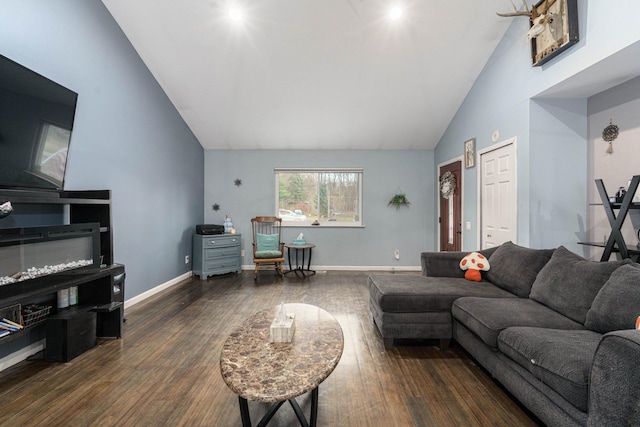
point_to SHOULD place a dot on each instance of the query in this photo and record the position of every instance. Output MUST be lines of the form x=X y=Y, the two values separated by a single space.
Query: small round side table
x=300 y=268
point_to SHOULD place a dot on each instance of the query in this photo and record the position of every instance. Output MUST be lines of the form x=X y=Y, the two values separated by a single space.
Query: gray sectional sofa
x=555 y=329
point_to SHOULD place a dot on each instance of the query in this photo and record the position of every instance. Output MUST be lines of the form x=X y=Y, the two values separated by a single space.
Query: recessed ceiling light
x=395 y=12
x=236 y=13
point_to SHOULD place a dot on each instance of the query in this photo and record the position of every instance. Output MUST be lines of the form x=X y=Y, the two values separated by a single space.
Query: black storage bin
x=70 y=333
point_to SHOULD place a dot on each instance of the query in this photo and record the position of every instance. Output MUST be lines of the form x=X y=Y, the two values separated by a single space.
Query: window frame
x=309 y=221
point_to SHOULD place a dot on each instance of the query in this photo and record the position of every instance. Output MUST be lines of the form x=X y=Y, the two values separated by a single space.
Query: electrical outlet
x=396 y=254
x=242 y=252
x=186 y=259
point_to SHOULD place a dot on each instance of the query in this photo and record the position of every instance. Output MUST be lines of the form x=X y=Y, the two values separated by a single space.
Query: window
x=329 y=196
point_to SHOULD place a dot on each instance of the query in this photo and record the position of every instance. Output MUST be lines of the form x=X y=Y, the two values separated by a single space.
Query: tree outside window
x=330 y=197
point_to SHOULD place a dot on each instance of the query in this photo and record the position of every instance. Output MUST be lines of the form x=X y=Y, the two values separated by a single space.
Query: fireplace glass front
x=30 y=252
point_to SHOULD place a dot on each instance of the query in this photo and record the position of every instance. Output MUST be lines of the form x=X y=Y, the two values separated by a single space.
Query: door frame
x=462 y=169
x=513 y=140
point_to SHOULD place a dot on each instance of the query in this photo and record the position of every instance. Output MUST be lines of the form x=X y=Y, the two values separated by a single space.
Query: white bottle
x=228 y=225
x=73 y=295
x=63 y=298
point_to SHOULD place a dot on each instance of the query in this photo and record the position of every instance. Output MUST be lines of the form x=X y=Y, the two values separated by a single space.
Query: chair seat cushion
x=487 y=317
x=267 y=254
x=558 y=358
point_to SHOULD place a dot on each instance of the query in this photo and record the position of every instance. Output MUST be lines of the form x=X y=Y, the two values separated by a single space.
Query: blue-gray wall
x=127 y=136
x=408 y=229
x=513 y=97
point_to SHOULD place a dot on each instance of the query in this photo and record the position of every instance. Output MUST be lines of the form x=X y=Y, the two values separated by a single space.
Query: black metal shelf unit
x=615 y=243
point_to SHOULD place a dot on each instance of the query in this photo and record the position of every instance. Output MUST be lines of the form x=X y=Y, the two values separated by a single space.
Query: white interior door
x=498 y=217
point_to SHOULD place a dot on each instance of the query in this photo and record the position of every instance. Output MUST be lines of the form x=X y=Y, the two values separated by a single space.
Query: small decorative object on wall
x=553 y=27
x=400 y=199
x=470 y=153
x=609 y=134
x=238 y=182
x=447 y=185
x=215 y=207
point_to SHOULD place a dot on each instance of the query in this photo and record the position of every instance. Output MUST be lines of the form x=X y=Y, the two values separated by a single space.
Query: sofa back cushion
x=617 y=305
x=569 y=283
x=514 y=268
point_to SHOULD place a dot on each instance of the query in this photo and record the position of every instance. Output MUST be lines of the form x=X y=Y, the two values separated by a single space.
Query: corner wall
x=545 y=108
x=408 y=229
x=127 y=135
x=619 y=105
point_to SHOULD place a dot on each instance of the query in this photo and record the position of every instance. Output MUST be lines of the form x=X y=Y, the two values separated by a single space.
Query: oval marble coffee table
x=256 y=369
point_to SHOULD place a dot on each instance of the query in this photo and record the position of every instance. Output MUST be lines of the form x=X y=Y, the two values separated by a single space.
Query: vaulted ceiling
x=314 y=74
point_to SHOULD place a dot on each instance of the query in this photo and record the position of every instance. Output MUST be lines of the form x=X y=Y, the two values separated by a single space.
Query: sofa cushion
x=569 y=283
x=514 y=268
x=617 y=305
x=487 y=317
x=408 y=293
x=560 y=359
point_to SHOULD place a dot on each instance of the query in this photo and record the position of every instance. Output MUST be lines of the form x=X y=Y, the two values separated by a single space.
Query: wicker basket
x=33 y=314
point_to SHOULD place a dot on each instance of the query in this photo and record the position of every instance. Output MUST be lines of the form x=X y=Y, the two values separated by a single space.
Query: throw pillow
x=514 y=268
x=617 y=305
x=266 y=242
x=474 y=263
x=569 y=283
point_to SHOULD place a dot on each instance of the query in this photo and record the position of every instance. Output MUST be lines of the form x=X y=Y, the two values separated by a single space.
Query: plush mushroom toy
x=473 y=263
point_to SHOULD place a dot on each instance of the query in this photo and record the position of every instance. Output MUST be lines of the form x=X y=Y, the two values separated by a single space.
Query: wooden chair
x=268 y=247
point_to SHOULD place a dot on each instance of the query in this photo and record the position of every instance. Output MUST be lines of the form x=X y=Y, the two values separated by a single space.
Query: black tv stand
x=100 y=290
x=73 y=330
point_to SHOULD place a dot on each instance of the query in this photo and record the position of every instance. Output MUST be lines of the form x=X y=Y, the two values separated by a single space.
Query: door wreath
x=447 y=185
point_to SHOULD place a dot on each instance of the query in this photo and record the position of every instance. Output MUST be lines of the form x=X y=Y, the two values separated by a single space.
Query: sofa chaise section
x=417 y=307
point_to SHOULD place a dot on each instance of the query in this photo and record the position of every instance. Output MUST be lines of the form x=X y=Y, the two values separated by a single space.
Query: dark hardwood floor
x=165 y=370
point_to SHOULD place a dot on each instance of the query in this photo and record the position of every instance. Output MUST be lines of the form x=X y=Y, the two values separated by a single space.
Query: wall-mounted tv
x=36 y=120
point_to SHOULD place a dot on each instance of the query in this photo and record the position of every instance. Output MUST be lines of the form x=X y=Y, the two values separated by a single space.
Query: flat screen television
x=36 y=120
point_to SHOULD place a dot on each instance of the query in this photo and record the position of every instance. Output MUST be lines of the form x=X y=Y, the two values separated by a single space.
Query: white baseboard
x=30 y=350
x=389 y=268
x=20 y=355
x=151 y=292
x=36 y=347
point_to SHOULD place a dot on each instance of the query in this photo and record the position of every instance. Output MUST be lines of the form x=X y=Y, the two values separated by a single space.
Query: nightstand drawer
x=217 y=242
x=222 y=263
x=225 y=251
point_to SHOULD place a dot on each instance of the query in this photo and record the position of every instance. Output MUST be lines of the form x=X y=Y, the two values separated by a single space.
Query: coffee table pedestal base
x=246 y=419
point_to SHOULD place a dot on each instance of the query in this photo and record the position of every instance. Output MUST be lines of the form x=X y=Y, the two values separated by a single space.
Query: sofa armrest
x=614 y=394
x=446 y=264
x=442 y=264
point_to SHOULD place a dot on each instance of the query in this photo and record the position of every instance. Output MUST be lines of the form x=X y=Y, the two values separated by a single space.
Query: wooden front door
x=450 y=206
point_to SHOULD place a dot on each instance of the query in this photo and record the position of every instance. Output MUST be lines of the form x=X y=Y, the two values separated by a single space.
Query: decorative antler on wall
x=538 y=21
x=526 y=11
x=553 y=27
